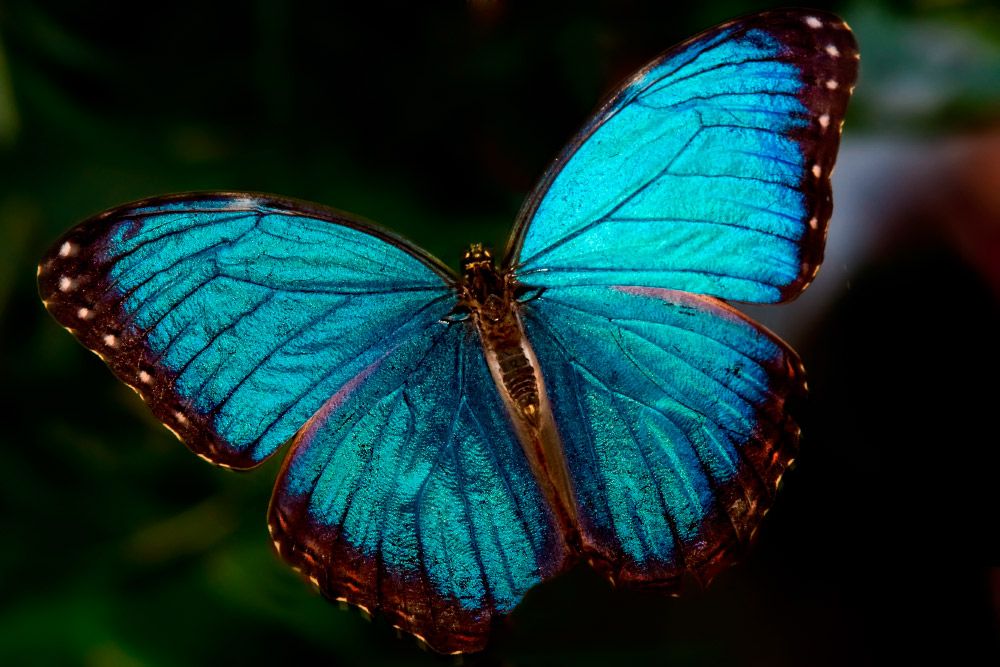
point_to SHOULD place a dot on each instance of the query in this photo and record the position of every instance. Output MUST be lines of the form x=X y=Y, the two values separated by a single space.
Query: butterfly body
x=457 y=439
x=491 y=298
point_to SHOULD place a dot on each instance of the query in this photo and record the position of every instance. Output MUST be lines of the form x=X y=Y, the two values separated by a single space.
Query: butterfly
x=457 y=439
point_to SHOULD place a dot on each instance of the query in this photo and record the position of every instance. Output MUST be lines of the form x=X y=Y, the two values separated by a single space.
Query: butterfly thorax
x=489 y=296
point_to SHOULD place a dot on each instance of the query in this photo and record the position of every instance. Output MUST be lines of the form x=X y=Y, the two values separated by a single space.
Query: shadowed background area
x=121 y=548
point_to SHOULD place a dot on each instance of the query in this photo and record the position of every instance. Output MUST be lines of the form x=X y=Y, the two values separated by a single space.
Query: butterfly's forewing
x=236 y=316
x=708 y=171
x=673 y=411
x=409 y=493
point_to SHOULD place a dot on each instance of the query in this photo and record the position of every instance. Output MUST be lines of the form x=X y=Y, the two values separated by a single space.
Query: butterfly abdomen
x=518 y=378
x=488 y=295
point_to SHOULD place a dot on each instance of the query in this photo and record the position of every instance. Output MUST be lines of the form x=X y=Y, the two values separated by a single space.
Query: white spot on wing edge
x=145 y=377
x=110 y=340
x=817 y=171
x=813 y=223
x=66 y=284
x=832 y=51
x=777 y=480
x=824 y=121
x=241 y=204
x=67 y=249
x=181 y=419
x=832 y=84
x=365 y=611
x=813 y=22
x=83 y=313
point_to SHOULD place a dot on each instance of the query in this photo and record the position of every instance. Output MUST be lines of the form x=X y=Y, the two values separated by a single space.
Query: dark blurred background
x=120 y=548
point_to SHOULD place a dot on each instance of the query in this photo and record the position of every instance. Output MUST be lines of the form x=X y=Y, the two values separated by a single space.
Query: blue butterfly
x=457 y=439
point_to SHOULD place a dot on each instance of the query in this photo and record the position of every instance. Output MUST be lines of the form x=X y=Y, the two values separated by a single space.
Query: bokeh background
x=117 y=547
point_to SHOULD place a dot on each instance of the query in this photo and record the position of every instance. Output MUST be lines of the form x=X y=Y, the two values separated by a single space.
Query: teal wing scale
x=708 y=171
x=675 y=413
x=408 y=493
x=236 y=316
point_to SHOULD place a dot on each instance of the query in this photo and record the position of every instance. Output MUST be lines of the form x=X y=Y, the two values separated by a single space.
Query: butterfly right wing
x=236 y=315
x=409 y=494
x=677 y=415
x=708 y=171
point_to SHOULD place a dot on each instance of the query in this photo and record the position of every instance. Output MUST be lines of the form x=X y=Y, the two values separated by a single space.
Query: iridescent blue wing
x=236 y=316
x=708 y=171
x=409 y=493
x=676 y=417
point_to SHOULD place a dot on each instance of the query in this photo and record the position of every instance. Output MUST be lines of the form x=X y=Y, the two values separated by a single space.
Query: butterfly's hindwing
x=709 y=171
x=677 y=421
x=235 y=316
x=409 y=494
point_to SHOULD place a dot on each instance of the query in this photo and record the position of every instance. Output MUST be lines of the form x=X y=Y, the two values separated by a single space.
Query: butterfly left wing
x=236 y=315
x=676 y=415
x=408 y=493
x=708 y=171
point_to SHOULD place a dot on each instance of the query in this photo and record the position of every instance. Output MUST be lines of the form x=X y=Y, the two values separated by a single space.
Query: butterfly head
x=485 y=290
x=477 y=258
